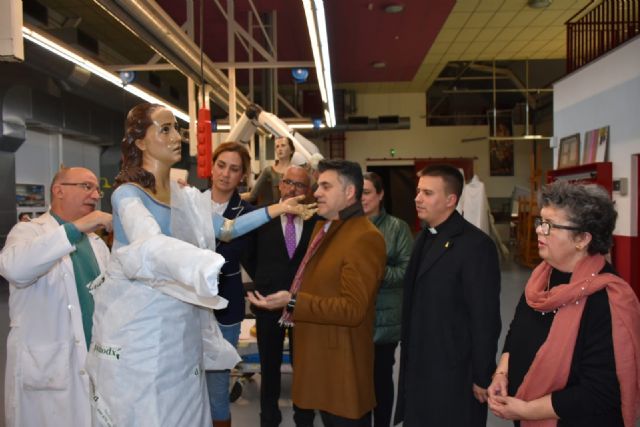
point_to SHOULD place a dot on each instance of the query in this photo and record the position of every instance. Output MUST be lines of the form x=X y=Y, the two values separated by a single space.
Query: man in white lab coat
x=48 y=263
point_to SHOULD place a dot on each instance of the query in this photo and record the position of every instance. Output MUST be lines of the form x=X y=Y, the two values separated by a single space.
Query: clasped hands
x=503 y=406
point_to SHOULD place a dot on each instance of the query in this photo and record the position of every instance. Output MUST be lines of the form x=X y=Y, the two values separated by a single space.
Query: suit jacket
x=450 y=327
x=267 y=260
x=334 y=319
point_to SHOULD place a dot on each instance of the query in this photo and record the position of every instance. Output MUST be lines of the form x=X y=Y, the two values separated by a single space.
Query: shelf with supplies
x=593 y=173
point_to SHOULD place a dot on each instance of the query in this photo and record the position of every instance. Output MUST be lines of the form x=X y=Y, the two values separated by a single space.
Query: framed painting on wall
x=595 y=145
x=569 y=151
x=501 y=157
x=30 y=195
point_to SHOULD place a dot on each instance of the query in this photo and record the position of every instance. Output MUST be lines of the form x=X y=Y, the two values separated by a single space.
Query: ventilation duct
x=362 y=123
x=375 y=123
x=15 y=104
x=24 y=108
x=154 y=26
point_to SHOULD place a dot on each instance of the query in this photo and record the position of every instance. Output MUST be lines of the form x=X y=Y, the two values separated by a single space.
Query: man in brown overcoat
x=333 y=308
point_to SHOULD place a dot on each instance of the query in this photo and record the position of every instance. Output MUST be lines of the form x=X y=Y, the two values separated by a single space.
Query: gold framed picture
x=569 y=151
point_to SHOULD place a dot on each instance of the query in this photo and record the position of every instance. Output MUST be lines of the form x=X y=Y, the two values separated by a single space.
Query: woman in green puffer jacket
x=399 y=241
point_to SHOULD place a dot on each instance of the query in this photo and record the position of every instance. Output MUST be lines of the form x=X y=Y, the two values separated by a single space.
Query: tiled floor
x=246 y=409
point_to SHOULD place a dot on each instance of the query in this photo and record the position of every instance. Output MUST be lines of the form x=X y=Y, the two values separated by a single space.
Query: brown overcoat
x=334 y=319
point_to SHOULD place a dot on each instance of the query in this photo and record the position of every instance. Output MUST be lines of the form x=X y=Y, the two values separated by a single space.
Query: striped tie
x=286 y=319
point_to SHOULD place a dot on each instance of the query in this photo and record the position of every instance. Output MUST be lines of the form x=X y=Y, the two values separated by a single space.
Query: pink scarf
x=549 y=370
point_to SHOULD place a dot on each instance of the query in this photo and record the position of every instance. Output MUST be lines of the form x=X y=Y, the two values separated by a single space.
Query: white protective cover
x=191 y=222
x=152 y=339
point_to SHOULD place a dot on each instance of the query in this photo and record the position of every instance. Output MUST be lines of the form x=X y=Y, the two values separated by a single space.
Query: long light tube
x=313 y=36
x=316 y=24
x=291 y=126
x=93 y=68
x=326 y=62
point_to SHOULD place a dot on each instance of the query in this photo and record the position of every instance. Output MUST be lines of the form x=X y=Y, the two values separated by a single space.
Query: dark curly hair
x=136 y=125
x=588 y=207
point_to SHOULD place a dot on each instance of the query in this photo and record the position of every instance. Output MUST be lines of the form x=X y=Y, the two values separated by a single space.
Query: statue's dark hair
x=135 y=128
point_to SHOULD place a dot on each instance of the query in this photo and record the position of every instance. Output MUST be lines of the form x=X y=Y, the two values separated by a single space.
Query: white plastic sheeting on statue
x=147 y=361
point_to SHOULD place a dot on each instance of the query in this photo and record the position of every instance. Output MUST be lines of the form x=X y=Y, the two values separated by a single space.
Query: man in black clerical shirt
x=451 y=312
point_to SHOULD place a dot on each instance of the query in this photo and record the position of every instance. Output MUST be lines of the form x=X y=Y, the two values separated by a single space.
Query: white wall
x=607 y=93
x=434 y=141
x=39 y=158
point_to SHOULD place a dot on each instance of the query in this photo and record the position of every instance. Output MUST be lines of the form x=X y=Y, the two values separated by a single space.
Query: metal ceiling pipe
x=147 y=20
x=509 y=74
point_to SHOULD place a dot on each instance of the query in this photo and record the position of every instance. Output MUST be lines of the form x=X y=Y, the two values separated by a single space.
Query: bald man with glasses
x=49 y=262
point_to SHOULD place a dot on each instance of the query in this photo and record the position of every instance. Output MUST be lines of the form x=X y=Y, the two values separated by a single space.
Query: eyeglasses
x=299 y=185
x=86 y=186
x=546 y=226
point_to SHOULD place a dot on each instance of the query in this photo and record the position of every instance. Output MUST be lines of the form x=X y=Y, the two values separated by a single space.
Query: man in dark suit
x=272 y=262
x=451 y=312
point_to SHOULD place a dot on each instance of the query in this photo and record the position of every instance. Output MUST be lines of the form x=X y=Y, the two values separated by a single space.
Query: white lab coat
x=474 y=205
x=46 y=384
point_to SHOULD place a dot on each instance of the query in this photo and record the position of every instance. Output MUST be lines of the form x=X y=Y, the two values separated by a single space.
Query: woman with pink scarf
x=572 y=354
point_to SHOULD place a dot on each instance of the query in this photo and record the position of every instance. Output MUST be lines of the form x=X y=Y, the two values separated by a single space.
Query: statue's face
x=162 y=141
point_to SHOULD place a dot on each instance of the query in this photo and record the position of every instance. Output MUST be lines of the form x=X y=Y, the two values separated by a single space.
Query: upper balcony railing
x=605 y=26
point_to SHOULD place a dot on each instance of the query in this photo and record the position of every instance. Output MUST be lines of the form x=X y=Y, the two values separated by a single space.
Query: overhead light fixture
x=539 y=4
x=306 y=125
x=297 y=125
x=97 y=70
x=317 y=26
x=378 y=64
x=394 y=8
x=300 y=75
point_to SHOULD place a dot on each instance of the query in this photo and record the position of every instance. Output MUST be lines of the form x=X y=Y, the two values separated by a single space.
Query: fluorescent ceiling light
x=304 y=125
x=225 y=127
x=93 y=68
x=316 y=24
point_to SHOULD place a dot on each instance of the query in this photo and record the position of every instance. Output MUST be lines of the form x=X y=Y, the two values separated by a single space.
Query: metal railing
x=592 y=33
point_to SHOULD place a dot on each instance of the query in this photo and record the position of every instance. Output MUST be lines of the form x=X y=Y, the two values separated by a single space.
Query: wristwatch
x=291 y=304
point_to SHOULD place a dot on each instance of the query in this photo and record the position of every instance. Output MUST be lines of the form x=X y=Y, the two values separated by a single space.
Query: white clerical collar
x=432 y=230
